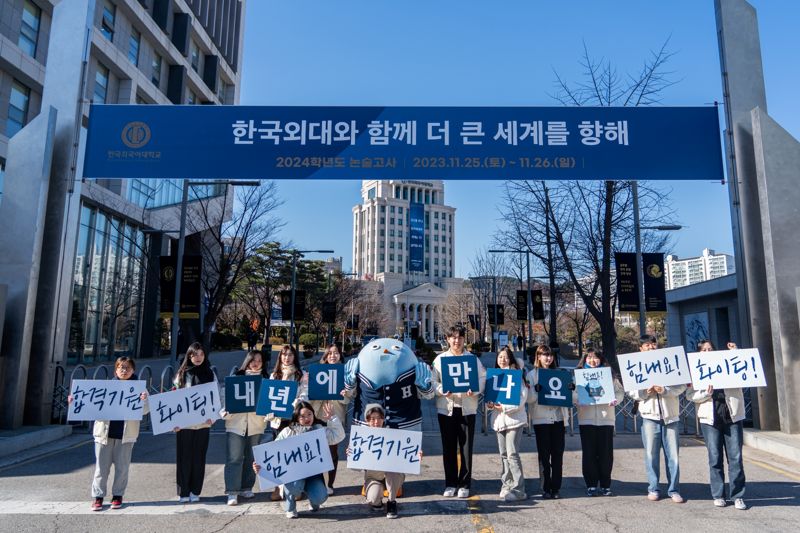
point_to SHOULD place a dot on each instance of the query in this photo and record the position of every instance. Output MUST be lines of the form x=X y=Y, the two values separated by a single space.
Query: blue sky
x=470 y=53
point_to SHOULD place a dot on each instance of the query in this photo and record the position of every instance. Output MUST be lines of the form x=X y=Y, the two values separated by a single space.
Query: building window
x=2 y=177
x=133 y=46
x=222 y=90
x=435 y=214
x=17 y=108
x=383 y=207
x=371 y=195
x=391 y=209
x=194 y=56
x=29 y=33
x=107 y=24
x=155 y=76
x=100 y=85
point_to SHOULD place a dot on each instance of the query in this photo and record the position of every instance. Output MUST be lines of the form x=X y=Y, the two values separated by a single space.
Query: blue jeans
x=655 y=436
x=729 y=438
x=239 y=475
x=313 y=486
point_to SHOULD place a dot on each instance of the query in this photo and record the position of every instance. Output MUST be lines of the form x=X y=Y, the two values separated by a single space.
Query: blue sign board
x=276 y=397
x=245 y=142
x=241 y=393
x=555 y=387
x=416 y=237
x=503 y=386
x=325 y=382
x=460 y=373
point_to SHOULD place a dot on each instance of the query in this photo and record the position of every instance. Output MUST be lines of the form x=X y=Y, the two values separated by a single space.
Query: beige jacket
x=334 y=432
x=445 y=405
x=543 y=414
x=656 y=406
x=130 y=431
x=511 y=416
x=599 y=415
x=734 y=398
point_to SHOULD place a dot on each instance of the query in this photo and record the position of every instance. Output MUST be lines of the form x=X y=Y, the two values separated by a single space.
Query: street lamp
x=638 y=242
x=530 y=299
x=176 y=305
x=295 y=254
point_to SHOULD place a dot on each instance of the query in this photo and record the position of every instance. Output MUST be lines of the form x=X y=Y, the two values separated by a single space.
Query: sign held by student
x=555 y=387
x=106 y=399
x=384 y=449
x=503 y=386
x=664 y=367
x=241 y=393
x=325 y=382
x=292 y=458
x=727 y=369
x=595 y=386
x=182 y=408
x=276 y=396
x=460 y=373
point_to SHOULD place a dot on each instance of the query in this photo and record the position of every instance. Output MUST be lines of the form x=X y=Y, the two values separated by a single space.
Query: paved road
x=51 y=493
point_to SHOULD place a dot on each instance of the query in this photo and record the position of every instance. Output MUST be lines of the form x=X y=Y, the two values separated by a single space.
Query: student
x=456 y=414
x=660 y=410
x=376 y=482
x=596 y=424
x=113 y=444
x=721 y=412
x=548 y=426
x=192 y=441
x=304 y=419
x=508 y=422
x=243 y=431
x=333 y=357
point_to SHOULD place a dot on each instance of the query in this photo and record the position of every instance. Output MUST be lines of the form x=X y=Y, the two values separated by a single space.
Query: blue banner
x=241 y=142
x=555 y=387
x=503 y=386
x=460 y=373
x=416 y=237
x=325 y=382
x=241 y=393
x=276 y=397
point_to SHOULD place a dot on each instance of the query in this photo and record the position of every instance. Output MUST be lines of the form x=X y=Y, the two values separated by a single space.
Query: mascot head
x=382 y=360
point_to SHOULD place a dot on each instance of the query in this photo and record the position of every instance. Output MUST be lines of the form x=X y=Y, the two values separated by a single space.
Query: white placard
x=664 y=367
x=384 y=449
x=186 y=407
x=292 y=458
x=106 y=399
x=727 y=369
x=595 y=386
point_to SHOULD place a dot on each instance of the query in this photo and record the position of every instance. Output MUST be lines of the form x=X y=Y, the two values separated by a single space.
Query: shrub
x=225 y=341
x=277 y=340
x=310 y=339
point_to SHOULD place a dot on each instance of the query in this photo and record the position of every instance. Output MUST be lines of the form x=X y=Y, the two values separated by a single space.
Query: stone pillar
x=431 y=322
x=422 y=326
x=397 y=316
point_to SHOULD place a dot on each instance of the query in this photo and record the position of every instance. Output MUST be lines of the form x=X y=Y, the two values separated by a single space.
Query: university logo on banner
x=595 y=386
x=241 y=393
x=503 y=386
x=664 y=367
x=181 y=408
x=555 y=387
x=384 y=449
x=325 y=382
x=459 y=373
x=298 y=457
x=276 y=396
x=106 y=399
x=727 y=369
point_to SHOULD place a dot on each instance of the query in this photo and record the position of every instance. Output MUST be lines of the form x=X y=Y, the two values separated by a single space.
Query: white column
x=422 y=329
x=432 y=318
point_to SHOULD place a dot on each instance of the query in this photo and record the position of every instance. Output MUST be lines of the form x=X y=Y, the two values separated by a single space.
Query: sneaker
x=556 y=495
x=376 y=508
x=291 y=514
x=605 y=491
x=391 y=509
x=546 y=496
x=183 y=499
x=330 y=491
x=248 y=494
x=116 y=502
x=677 y=498
x=591 y=491
x=193 y=498
x=449 y=492
x=720 y=502
x=97 y=504
x=276 y=495
x=503 y=493
x=233 y=499
x=739 y=504
x=653 y=496
x=313 y=508
x=510 y=497
x=463 y=492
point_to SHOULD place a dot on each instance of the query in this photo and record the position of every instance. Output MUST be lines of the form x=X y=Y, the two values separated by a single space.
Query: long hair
x=278 y=371
x=542 y=349
x=512 y=361
x=302 y=404
x=324 y=358
x=249 y=359
x=202 y=372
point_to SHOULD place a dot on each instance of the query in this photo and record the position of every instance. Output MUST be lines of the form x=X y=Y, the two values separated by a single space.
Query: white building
x=710 y=265
x=381 y=238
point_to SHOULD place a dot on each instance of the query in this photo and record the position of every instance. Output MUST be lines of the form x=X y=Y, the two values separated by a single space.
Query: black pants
x=191 y=460
x=458 y=432
x=597 y=443
x=335 y=458
x=550 y=449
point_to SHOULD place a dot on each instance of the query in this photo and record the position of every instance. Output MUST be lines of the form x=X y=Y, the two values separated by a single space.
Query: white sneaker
x=463 y=492
x=503 y=493
x=739 y=504
x=291 y=514
x=194 y=498
x=720 y=502
x=330 y=491
x=449 y=492
x=183 y=499
x=510 y=497
x=233 y=500
x=247 y=494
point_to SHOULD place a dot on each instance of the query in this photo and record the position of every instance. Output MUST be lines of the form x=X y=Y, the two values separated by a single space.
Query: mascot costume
x=388 y=373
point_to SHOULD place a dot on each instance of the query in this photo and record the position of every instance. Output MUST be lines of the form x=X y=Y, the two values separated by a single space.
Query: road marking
x=135 y=508
x=775 y=469
x=479 y=519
